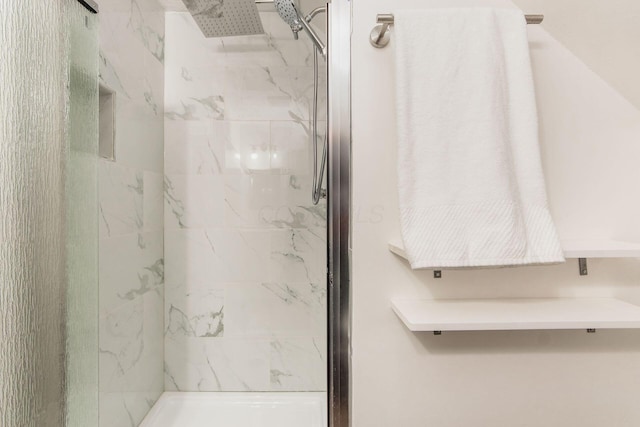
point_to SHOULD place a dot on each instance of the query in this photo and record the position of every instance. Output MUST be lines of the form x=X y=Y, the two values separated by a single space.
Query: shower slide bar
x=380 y=37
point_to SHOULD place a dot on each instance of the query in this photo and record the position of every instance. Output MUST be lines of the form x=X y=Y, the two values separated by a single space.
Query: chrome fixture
x=317 y=192
x=339 y=212
x=290 y=14
x=314 y=12
x=317 y=41
x=380 y=37
x=219 y=18
x=534 y=19
x=582 y=264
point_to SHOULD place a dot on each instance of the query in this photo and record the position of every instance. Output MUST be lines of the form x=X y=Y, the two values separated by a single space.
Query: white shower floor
x=175 y=409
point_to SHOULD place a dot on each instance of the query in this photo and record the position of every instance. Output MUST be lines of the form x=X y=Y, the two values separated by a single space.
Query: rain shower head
x=221 y=18
x=287 y=11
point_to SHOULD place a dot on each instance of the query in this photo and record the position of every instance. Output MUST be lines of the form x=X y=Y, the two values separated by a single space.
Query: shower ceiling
x=222 y=18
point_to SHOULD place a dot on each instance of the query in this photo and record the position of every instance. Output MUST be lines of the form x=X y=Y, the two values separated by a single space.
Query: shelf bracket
x=582 y=264
x=591 y=331
x=437 y=274
x=437 y=332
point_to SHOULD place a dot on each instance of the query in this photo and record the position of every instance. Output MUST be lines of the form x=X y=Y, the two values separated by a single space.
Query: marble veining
x=264 y=311
x=122 y=337
x=175 y=205
x=300 y=217
x=150 y=281
x=312 y=300
x=206 y=325
x=195 y=313
x=129 y=271
x=245 y=300
x=121 y=199
x=126 y=409
x=150 y=98
x=211 y=107
x=109 y=76
x=131 y=205
x=153 y=201
x=217 y=364
x=297 y=256
x=195 y=148
x=186 y=205
x=150 y=37
x=296 y=364
x=186 y=75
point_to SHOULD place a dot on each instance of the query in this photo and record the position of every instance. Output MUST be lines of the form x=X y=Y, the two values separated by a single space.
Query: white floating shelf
x=396 y=247
x=517 y=314
x=572 y=249
x=600 y=249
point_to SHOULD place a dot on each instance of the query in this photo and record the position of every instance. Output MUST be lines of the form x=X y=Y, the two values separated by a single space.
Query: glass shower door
x=48 y=231
x=82 y=219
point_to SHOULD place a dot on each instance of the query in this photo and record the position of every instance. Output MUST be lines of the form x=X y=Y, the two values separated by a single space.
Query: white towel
x=471 y=186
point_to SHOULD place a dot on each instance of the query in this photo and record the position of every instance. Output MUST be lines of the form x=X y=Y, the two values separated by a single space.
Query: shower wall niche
x=245 y=248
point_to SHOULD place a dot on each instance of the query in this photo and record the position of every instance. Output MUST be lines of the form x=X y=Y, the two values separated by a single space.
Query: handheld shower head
x=288 y=13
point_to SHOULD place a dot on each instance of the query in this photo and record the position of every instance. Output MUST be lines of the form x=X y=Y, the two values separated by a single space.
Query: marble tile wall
x=245 y=248
x=131 y=213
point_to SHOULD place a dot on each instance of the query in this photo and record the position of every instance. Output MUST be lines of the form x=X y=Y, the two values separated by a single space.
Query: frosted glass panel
x=82 y=220
x=48 y=230
x=33 y=76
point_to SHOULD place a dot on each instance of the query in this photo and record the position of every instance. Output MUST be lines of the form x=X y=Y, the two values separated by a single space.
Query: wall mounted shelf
x=572 y=249
x=516 y=314
x=600 y=249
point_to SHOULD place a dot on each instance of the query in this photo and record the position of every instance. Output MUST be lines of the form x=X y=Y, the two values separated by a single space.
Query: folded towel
x=470 y=179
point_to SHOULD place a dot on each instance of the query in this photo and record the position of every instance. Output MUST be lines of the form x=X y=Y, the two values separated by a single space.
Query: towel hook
x=380 y=37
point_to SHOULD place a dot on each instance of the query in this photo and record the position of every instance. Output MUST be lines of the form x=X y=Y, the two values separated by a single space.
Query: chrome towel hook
x=380 y=36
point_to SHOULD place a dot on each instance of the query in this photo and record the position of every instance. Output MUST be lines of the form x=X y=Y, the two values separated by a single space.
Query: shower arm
x=314 y=12
x=322 y=48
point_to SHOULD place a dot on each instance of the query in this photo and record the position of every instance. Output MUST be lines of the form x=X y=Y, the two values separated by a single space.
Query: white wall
x=589 y=137
x=604 y=34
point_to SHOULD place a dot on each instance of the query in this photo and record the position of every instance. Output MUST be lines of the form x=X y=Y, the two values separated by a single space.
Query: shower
x=217 y=18
x=288 y=12
x=182 y=275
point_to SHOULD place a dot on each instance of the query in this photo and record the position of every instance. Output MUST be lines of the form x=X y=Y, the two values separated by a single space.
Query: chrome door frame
x=339 y=212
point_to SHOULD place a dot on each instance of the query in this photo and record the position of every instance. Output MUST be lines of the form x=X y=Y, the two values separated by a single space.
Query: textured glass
x=33 y=76
x=82 y=219
x=48 y=197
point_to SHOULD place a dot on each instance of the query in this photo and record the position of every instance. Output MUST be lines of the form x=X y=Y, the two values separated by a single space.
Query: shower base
x=177 y=409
